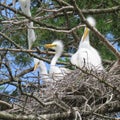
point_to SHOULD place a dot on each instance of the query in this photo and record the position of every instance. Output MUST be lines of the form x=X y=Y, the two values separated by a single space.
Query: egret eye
x=51 y=50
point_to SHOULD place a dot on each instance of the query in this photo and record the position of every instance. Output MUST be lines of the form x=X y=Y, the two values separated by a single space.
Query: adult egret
x=87 y=56
x=25 y=7
x=57 y=72
x=43 y=69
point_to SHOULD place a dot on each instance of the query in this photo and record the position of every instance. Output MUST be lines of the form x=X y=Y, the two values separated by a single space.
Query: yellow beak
x=35 y=66
x=85 y=33
x=49 y=45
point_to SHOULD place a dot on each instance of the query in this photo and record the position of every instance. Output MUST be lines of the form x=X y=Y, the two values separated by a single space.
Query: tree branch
x=86 y=11
x=7 y=116
x=30 y=18
x=9 y=106
x=11 y=41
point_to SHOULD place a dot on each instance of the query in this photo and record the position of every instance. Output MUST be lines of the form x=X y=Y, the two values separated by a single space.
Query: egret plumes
x=87 y=56
x=57 y=72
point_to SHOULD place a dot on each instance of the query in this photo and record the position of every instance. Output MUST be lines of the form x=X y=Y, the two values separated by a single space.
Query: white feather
x=91 y=21
x=31 y=35
x=25 y=6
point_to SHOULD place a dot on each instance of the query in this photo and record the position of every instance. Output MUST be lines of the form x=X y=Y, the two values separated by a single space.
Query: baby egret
x=87 y=56
x=25 y=7
x=43 y=69
x=57 y=72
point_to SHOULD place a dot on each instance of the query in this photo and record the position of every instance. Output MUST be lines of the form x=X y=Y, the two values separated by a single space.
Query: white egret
x=57 y=72
x=25 y=7
x=46 y=80
x=87 y=56
x=43 y=70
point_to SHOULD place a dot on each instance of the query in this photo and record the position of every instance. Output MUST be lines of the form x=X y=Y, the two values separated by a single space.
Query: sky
x=111 y=38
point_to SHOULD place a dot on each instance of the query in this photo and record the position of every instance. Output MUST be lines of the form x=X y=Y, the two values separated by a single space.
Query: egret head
x=38 y=63
x=56 y=45
x=92 y=22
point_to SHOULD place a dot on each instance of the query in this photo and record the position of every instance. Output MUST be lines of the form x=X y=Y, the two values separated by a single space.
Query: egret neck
x=57 y=55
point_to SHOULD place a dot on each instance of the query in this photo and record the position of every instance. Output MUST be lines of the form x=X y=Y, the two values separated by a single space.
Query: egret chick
x=43 y=70
x=87 y=56
x=57 y=72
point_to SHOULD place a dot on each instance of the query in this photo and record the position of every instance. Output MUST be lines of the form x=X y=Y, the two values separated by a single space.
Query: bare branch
x=11 y=41
x=61 y=31
x=9 y=106
x=7 y=116
x=30 y=18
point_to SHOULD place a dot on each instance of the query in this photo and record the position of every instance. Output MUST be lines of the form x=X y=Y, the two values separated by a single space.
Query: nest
x=92 y=94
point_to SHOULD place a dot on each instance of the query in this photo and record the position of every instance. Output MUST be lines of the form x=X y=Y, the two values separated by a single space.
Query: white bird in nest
x=25 y=7
x=44 y=76
x=57 y=73
x=43 y=69
x=87 y=56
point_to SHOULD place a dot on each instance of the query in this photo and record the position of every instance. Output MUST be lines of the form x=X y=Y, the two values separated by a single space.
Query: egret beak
x=49 y=45
x=35 y=66
x=85 y=33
